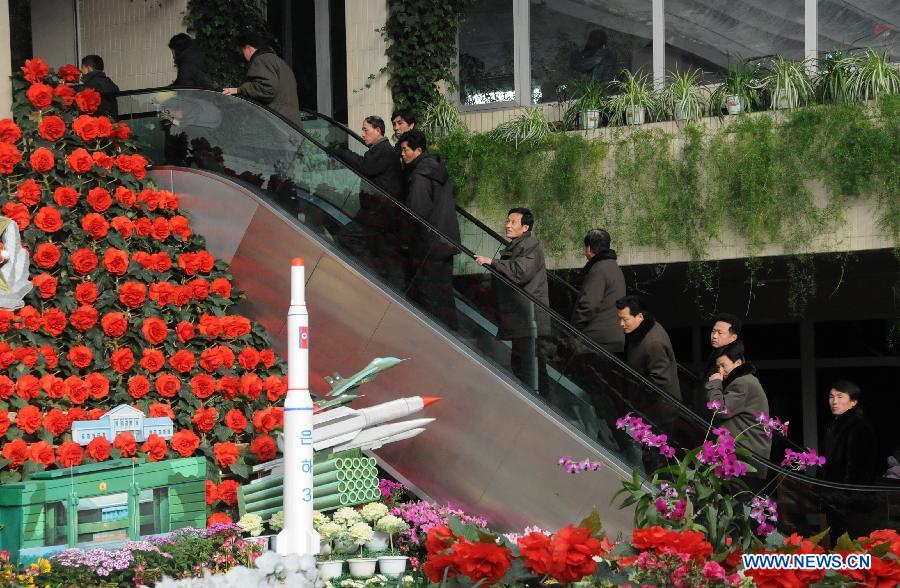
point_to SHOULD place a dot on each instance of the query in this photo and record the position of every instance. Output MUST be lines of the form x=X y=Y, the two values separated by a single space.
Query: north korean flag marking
x=304 y=337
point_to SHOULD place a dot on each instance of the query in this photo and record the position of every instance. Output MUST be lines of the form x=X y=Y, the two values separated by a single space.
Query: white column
x=811 y=34
x=659 y=44
x=323 y=57
x=522 y=50
x=366 y=55
x=5 y=63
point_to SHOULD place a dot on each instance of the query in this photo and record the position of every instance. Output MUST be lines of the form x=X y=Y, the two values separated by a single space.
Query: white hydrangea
x=330 y=530
x=271 y=569
x=391 y=524
x=408 y=581
x=346 y=516
x=377 y=580
x=277 y=521
x=252 y=524
x=359 y=533
x=319 y=519
x=351 y=583
x=373 y=511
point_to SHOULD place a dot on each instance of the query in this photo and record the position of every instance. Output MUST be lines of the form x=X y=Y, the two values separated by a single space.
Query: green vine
x=422 y=50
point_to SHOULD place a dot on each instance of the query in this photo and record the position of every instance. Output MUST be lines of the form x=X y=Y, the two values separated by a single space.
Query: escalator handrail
x=561 y=321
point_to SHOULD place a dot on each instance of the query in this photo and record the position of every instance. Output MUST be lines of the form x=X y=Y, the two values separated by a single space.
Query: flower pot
x=634 y=115
x=733 y=104
x=378 y=542
x=392 y=566
x=783 y=101
x=345 y=547
x=331 y=568
x=680 y=111
x=590 y=119
x=325 y=548
x=362 y=567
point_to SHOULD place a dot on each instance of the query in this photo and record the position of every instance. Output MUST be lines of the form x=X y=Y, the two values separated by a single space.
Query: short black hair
x=527 y=217
x=255 y=40
x=376 y=122
x=633 y=303
x=406 y=114
x=180 y=42
x=734 y=323
x=734 y=351
x=598 y=240
x=414 y=139
x=93 y=61
x=849 y=388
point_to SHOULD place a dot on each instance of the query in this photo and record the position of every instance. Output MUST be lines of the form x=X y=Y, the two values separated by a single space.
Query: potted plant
x=833 y=81
x=440 y=119
x=345 y=517
x=873 y=76
x=587 y=104
x=788 y=84
x=328 y=566
x=371 y=513
x=685 y=99
x=738 y=92
x=392 y=565
x=634 y=101
x=361 y=567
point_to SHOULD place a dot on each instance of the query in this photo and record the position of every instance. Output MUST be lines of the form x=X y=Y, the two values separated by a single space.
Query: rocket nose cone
x=428 y=400
x=297 y=261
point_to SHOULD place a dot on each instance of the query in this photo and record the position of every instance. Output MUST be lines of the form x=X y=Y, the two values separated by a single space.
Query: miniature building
x=123 y=418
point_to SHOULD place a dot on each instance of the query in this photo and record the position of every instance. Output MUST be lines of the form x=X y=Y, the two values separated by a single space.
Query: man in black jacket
x=190 y=63
x=602 y=283
x=648 y=349
x=93 y=77
x=270 y=80
x=429 y=193
x=374 y=233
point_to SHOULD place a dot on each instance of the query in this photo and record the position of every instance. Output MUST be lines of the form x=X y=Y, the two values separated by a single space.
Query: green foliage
x=740 y=80
x=422 y=49
x=439 y=119
x=685 y=97
x=529 y=127
x=631 y=94
x=788 y=84
x=216 y=24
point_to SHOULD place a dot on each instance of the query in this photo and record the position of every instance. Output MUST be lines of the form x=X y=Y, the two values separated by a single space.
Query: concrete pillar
x=365 y=56
x=5 y=63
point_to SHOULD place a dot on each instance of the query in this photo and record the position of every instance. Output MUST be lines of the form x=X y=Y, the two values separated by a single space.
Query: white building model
x=123 y=418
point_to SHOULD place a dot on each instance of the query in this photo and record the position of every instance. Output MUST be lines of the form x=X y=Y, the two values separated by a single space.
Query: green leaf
x=593 y=523
x=222 y=432
x=240 y=469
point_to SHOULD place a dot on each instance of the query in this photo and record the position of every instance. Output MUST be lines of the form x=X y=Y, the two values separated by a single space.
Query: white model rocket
x=298 y=535
x=346 y=428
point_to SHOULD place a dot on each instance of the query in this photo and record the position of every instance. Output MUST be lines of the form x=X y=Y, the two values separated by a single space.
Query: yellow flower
x=44 y=565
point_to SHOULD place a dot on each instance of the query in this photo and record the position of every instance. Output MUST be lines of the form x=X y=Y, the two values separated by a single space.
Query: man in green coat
x=270 y=81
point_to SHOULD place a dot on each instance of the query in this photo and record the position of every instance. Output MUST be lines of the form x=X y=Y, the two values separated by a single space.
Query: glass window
x=587 y=37
x=486 y=54
x=704 y=35
x=860 y=25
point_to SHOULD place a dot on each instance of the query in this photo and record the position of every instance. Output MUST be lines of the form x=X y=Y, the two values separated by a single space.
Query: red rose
x=264 y=448
x=275 y=387
x=154 y=330
x=138 y=386
x=439 y=566
x=152 y=360
x=95 y=225
x=167 y=385
x=149 y=198
x=4 y=422
x=125 y=443
x=86 y=293
x=222 y=287
x=205 y=419
x=251 y=386
x=51 y=359
x=189 y=262
x=35 y=70
x=228 y=387
x=182 y=361
x=42 y=453
x=180 y=227
x=121 y=131
x=121 y=360
x=199 y=289
x=159 y=409
x=15 y=451
x=185 y=442
x=227 y=355
x=210 y=325
x=57 y=422
x=54 y=387
x=17 y=212
x=7 y=387
x=99 y=199
x=248 y=358
x=114 y=324
x=69 y=73
x=132 y=294
x=98 y=449
x=27 y=356
x=48 y=219
x=9 y=158
x=85 y=127
x=98 y=385
x=40 y=95
x=227 y=492
x=235 y=420
x=212 y=494
x=142 y=226
x=29 y=193
x=65 y=93
x=84 y=261
x=479 y=561
x=218 y=518
x=42 y=160
x=235 y=326
x=88 y=100
x=29 y=318
x=182 y=295
x=115 y=261
x=84 y=318
x=226 y=454
x=162 y=292
x=45 y=284
x=76 y=390
x=80 y=356
x=265 y=420
x=133 y=164
x=54 y=322
x=65 y=196
x=9 y=131
x=52 y=128
x=572 y=551
x=70 y=454
x=29 y=419
x=154 y=447
x=125 y=197
x=103 y=160
x=203 y=386
x=160 y=228
x=160 y=262
x=123 y=225
x=185 y=331
x=28 y=387
x=440 y=538
x=80 y=161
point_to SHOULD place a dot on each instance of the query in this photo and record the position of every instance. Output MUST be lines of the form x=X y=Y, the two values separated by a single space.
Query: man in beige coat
x=270 y=81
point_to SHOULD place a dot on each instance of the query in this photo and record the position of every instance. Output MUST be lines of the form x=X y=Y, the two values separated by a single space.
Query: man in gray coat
x=522 y=263
x=648 y=349
x=736 y=387
x=270 y=81
x=602 y=284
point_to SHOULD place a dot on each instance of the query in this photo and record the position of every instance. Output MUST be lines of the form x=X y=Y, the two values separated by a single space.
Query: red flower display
x=84 y=261
x=52 y=128
x=99 y=199
x=29 y=419
x=9 y=131
x=48 y=219
x=167 y=385
x=227 y=492
x=218 y=518
x=70 y=454
x=237 y=422
x=69 y=73
x=42 y=160
x=264 y=448
x=46 y=285
x=205 y=419
x=15 y=451
x=80 y=161
x=154 y=330
x=88 y=100
x=35 y=70
x=185 y=443
x=98 y=449
x=65 y=93
x=226 y=454
x=40 y=95
x=125 y=443
x=482 y=562
x=95 y=225
x=154 y=447
x=9 y=158
x=42 y=453
x=84 y=318
x=29 y=193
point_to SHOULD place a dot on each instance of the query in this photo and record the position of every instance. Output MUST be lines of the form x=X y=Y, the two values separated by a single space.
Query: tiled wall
x=365 y=56
x=131 y=37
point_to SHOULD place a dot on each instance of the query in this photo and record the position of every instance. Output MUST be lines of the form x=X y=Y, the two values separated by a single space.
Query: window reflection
x=486 y=50
x=860 y=25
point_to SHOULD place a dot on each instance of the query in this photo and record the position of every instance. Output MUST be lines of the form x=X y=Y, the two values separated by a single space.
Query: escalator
x=262 y=192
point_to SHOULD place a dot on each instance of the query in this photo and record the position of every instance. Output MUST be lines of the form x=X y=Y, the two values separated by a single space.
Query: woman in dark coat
x=190 y=63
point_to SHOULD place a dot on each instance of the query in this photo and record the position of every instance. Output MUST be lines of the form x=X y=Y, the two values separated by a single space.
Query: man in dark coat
x=375 y=231
x=648 y=349
x=725 y=332
x=93 y=77
x=522 y=263
x=190 y=63
x=270 y=81
x=429 y=193
x=595 y=59
x=851 y=451
x=602 y=284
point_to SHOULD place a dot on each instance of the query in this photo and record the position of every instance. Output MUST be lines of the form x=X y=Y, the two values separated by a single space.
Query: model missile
x=343 y=423
x=380 y=442
x=298 y=535
x=340 y=385
x=372 y=433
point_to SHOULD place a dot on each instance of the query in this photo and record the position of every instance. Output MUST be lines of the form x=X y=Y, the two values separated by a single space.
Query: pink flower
x=713 y=571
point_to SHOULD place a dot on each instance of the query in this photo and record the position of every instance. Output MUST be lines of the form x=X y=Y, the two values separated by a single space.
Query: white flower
x=351 y=583
x=252 y=524
x=373 y=511
x=377 y=580
x=330 y=530
x=267 y=562
x=359 y=533
x=277 y=521
x=391 y=525
x=408 y=581
x=318 y=519
x=346 y=516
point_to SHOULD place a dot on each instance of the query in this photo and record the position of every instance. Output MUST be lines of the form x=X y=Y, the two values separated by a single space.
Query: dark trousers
x=528 y=364
x=432 y=288
x=379 y=250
